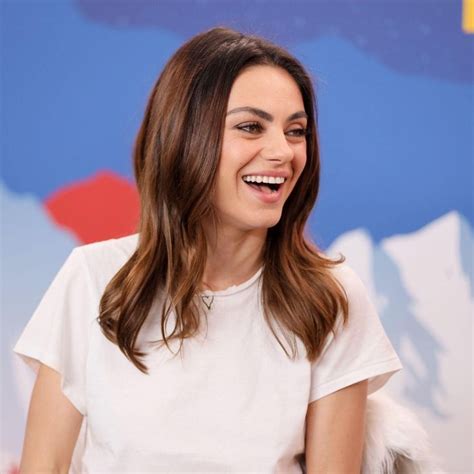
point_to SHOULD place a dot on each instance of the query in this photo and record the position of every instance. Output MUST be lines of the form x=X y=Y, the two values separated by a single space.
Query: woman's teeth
x=265 y=184
x=264 y=179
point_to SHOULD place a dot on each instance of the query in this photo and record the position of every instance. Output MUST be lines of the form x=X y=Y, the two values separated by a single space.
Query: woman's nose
x=277 y=148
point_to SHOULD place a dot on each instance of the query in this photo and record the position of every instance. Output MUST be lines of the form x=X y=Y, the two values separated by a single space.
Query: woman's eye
x=298 y=132
x=253 y=127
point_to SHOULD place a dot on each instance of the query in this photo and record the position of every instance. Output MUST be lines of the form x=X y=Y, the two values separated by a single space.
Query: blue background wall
x=395 y=92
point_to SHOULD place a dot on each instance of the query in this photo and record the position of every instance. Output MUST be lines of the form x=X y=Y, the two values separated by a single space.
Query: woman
x=279 y=345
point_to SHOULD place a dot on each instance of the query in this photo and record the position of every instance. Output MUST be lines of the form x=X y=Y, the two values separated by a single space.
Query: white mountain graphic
x=422 y=284
x=32 y=251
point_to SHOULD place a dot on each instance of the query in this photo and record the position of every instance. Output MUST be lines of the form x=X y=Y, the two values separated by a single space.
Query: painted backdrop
x=395 y=90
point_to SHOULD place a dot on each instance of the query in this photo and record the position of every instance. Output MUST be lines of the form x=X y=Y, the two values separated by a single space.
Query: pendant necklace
x=208 y=300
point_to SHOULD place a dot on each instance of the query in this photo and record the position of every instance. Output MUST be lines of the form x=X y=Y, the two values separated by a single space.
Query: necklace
x=207 y=300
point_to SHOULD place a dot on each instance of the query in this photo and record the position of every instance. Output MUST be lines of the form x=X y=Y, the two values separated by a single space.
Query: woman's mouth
x=267 y=188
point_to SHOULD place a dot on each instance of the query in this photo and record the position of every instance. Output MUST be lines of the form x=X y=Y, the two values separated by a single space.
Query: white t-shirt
x=232 y=402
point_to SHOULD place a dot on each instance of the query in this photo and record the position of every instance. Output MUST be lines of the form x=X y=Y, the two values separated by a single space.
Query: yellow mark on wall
x=468 y=16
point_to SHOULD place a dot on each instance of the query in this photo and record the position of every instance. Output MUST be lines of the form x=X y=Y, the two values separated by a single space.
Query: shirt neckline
x=231 y=290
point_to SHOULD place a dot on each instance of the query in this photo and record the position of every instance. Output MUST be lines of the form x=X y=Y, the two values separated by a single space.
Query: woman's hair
x=176 y=155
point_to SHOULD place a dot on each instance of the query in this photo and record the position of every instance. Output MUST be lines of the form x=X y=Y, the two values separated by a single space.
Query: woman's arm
x=335 y=427
x=52 y=427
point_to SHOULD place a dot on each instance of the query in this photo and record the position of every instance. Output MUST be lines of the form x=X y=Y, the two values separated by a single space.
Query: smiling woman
x=227 y=167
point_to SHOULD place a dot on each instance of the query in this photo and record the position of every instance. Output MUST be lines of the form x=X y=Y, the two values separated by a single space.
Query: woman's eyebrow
x=265 y=115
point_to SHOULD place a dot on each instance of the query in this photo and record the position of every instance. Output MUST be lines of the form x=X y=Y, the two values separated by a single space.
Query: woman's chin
x=267 y=221
x=252 y=221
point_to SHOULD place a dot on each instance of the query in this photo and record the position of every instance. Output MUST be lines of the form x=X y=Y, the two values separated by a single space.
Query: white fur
x=395 y=441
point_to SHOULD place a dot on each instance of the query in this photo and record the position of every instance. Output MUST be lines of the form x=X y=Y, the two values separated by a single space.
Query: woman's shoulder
x=111 y=249
x=103 y=259
x=345 y=274
x=355 y=284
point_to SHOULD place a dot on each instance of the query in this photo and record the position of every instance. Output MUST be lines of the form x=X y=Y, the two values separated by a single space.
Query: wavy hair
x=175 y=157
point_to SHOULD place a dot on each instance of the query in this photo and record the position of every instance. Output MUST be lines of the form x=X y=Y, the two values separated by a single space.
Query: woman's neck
x=233 y=256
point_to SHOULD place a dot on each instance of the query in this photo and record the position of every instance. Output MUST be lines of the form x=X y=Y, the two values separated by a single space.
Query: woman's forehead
x=266 y=87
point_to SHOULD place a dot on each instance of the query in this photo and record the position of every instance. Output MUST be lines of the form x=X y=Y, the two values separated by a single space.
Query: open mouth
x=265 y=184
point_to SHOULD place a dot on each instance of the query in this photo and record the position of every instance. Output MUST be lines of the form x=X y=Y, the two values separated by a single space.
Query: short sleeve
x=360 y=349
x=57 y=333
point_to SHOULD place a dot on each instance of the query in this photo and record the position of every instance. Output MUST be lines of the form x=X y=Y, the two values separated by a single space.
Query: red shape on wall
x=103 y=207
x=13 y=469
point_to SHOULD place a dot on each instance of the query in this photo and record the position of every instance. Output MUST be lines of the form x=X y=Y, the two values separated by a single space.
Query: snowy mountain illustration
x=422 y=284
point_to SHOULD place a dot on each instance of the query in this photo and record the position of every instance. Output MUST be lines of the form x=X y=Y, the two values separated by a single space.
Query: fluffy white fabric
x=396 y=442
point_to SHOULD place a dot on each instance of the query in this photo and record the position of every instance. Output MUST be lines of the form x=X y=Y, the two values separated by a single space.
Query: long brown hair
x=176 y=155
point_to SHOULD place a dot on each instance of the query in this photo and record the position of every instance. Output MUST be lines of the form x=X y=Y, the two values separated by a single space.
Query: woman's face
x=264 y=148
